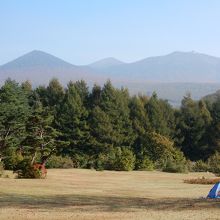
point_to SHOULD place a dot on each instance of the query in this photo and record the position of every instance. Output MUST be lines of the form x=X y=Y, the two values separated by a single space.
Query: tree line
x=103 y=128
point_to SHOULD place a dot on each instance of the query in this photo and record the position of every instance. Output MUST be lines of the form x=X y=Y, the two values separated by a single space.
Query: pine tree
x=192 y=123
x=14 y=111
x=41 y=139
x=114 y=103
x=156 y=116
x=72 y=121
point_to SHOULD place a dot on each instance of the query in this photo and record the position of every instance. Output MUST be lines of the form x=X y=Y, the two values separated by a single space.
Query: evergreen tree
x=72 y=121
x=156 y=116
x=103 y=136
x=54 y=94
x=114 y=103
x=95 y=96
x=192 y=123
x=213 y=135
x=83 y=91
x=14 y=111
x=41 y=139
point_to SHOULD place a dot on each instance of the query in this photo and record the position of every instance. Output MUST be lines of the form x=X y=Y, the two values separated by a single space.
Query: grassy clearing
x=87 y=194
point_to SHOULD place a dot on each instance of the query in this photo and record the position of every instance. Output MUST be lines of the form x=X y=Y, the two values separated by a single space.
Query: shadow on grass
x=102 y=203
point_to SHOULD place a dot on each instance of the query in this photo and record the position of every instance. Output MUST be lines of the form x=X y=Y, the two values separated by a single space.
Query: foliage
x=59 y=162
x=121 y=159
x=13 y=158
x=25 y=169
x=14 y=110
x=1 y=168
x=144 y=163
x=200 y=166
x=193 y=121
x=125 y=159
x=214 y=163
x=105 y=128
x=81 y=160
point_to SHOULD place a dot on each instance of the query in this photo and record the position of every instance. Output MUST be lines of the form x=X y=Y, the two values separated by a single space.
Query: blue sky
x=83 y=31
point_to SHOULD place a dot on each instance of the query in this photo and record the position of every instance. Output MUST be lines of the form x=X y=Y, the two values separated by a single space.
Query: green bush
x=214 y=163
x=121 y=159
x=200 y=166
x=24 y=169
x=175 y=167
x=124 y=160
x=12 y=159
x=176 y=163
x=59 y=162
x=102 y=162
x=1 y=168
x=144 y=163
x=81 y=161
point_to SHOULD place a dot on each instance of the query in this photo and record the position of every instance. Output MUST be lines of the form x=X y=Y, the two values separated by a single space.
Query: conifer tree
x=72 y=121
x=14 y=111
x=41 y=139
x=192 y=123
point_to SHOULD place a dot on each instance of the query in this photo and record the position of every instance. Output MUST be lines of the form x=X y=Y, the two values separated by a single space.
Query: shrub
x=176 y=163
x=162 y=152
x=200 y=166
x=125 y=159
x=24 y=169
x=121 y=159
x=81 y=161
x=144 y=163
x=12 y=159
x=59 y=162
x=173 y=166
x=102 y=162
x=214 y=163
x=1 y=168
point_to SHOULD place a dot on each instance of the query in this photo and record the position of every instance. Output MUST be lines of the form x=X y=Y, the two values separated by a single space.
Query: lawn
x=99 y=195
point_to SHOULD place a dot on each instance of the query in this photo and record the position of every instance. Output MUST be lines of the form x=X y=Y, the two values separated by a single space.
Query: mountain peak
x=106 y=63
x=36 y=58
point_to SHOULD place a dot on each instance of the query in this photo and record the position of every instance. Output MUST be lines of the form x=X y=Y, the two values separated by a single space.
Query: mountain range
x=186 y=70
x=39 y=67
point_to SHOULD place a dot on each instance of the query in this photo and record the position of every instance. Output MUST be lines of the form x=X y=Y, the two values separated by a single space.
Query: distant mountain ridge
x=171 y=76
x=212 y=97
x=36 y=58
x=174 y=67
x=40 y=67
x=106 y=63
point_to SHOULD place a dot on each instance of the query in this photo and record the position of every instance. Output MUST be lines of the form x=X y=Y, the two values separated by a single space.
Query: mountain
x=171 y=76
x=106 y=63
x=185 y=67
x=39 y=67
x=212 y=97
x=174 y=67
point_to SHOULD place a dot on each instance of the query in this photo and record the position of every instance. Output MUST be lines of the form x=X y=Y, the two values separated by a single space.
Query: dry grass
x=92 y=195
x=203 y=180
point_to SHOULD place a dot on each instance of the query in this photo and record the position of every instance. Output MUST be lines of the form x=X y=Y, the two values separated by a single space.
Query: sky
x=83 y=31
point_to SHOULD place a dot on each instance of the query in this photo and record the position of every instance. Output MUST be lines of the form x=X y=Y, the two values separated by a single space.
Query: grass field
x=88 y=194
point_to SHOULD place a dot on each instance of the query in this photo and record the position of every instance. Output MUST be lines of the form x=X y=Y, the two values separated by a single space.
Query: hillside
x=39 y=67
x=106 y=63
x=174 y=67
x=212 y=97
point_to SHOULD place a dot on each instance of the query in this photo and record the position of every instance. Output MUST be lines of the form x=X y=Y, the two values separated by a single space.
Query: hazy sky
x=83 y=31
